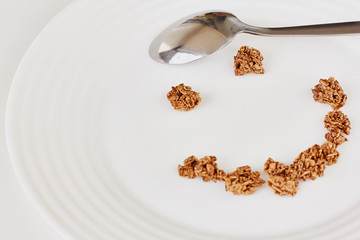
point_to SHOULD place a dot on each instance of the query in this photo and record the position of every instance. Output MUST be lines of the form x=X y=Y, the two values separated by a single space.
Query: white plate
x=96 y=144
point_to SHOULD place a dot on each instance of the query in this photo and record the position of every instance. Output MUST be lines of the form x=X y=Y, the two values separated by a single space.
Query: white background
x=20 y=22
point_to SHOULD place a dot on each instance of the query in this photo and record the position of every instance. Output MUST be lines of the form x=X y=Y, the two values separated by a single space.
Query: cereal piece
x=329 y=91
x=310 y=163
x=279 y=169
x=335 y=137
x=282 y=179
x=329 y=152
x=188 y=169
x=248 y=60
x=283 y=185
x=182 y=98
x=243 y=181
x=337 y=121
x=205 y=168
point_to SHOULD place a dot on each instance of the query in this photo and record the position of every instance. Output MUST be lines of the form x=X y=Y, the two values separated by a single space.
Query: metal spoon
x=201 y=34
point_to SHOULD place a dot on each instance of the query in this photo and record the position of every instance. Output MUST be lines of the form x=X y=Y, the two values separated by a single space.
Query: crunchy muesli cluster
x=282 y=178
x=329 y=91
x=182 y=98
x=337 y=121
x=205 y=168
x=309 y=164
x=241 y=181
x=248 y=60
x=278 y=169
x=330 y=153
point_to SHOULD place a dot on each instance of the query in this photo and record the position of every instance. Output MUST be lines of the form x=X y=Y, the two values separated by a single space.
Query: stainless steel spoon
x=201 y=34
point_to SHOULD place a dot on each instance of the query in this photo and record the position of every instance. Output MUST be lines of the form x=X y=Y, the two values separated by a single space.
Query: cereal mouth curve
x=284 y=179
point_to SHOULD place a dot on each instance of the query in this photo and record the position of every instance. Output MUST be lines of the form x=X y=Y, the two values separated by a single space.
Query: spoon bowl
x=195 y=37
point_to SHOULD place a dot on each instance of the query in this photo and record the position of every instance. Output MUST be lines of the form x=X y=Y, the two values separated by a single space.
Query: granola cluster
x=248 y=60
x=182 y=98
x=282 y=178
x=329 y=91
x=241 y=181
x=310 y=163
x=330 y=153
x=205 y=168
x=278 y=169
x=336 y=122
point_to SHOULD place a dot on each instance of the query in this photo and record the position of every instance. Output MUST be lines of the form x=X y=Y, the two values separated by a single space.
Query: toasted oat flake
x=329 y=91
x=182 y=98
x=283 y=185
x=248 y=60
x=243 y=181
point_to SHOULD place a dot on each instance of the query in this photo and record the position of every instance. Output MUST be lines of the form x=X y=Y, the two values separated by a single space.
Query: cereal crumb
x=337 y=121
x=182 y=98
x=205 y=168
x=310 y=163
x=248 y=60
x=329 y=91
x=243 y=181
x=283 y=185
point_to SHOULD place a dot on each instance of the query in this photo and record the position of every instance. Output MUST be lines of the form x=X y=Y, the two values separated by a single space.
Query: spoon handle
x=307 y=30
